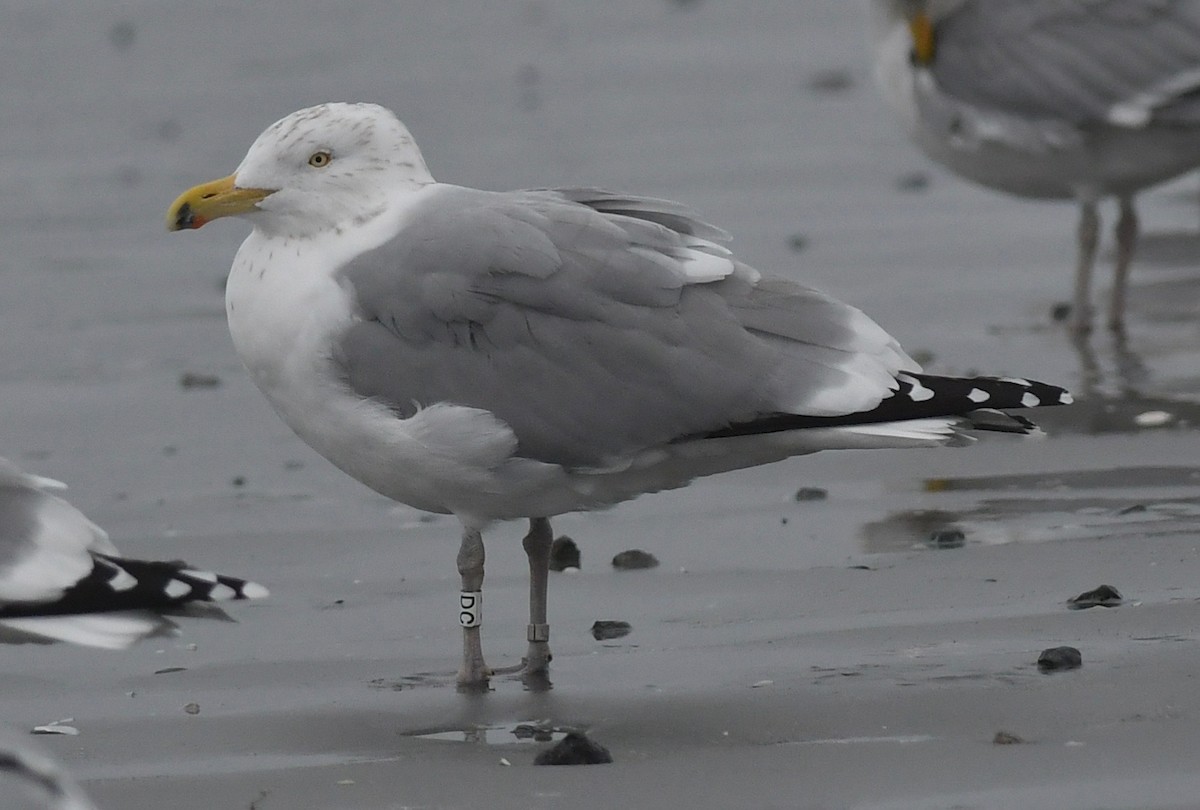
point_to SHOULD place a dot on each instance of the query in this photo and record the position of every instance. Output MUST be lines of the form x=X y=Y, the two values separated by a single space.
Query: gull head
x=320 y=169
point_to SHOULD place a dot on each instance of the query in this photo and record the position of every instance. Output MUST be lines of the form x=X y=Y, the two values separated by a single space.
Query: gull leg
x=1088 y=236
x=1126 y=234
x=537 y=549
x=474 y=672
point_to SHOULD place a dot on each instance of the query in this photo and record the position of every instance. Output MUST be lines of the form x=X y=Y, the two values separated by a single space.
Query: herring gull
x=1051 y=99
x=61 y=578
x=507 y=355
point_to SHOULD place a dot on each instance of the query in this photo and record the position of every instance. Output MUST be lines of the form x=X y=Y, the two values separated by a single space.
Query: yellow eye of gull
x=319 y=160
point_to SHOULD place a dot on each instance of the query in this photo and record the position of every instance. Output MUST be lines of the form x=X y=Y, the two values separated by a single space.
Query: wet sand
x=785 y=654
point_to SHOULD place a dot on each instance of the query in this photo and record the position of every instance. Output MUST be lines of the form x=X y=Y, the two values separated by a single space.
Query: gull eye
x=319 y=160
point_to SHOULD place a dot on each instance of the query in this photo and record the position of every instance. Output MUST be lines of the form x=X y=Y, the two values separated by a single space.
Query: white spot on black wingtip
x=1016 y=381
x=252 y=590
x=1030 y=400
x=203 y=576
x=177 y=589
x=978 y=395
x=123 y=581
x=919 y=393
x=221 y=593
x=1065 y=398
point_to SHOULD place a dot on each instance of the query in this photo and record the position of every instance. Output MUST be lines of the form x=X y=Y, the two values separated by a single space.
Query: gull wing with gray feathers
x=596 y=325
x=61 y=578
x=1111 y=61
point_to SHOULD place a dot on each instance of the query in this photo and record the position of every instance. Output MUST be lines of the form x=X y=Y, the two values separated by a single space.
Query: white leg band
x=470 y=608
x=538 y=632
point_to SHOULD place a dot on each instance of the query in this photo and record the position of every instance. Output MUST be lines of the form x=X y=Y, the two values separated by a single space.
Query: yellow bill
x=203 y=203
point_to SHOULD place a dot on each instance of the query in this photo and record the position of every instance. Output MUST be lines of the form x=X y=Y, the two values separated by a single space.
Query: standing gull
x=1051 y=99
x=61 y=578
x=529 y=353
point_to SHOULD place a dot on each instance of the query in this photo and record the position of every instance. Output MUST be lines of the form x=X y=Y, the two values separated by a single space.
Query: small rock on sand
x=603 y=629
x=947 y=538
x=1006 y=738
x=811 y=494
x=574 y=749
x=564 y=554
x=196 y=379
x=633 y=559
x=1104 y=596
x=1057 y=659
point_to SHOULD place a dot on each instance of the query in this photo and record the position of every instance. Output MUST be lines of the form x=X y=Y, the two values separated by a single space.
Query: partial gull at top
x=61 y=578
x=1051 y=99
x=522 y=354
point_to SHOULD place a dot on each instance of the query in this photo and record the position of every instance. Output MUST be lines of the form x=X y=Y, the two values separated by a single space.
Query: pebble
x=1055 y=659
x=603 y=629
x=574 y=749
x=912 y=182
x=195 y=379
x=811 y=494
x=192 y=708
x=564 y=554
x=1104 y=596
x=1006 y=738
x=947 y=538
x=633 y=559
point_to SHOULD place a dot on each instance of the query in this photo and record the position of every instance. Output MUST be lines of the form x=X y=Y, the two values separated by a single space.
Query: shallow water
x=761 y=116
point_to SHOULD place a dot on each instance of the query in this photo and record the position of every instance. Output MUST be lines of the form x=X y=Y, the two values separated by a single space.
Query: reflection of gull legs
x=1088 y=236
x=1126 y=235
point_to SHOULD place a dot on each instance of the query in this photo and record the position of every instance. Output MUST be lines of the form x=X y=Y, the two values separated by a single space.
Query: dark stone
x=811 y=494
x=1132 y=510
x=574 y=749
x=1056 y=659
x=122 y=34
x=1104 y=596
x=193 y=379
x=634 y=559
x=831 y=80
x=564 y=554
x=602 y=629
x=1006 y=738
x=1060 y=312
x=947 y=538
x=797 y=242
x=912 y=182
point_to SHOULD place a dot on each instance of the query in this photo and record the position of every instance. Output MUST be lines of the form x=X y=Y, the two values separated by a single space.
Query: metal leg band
x=539 y=632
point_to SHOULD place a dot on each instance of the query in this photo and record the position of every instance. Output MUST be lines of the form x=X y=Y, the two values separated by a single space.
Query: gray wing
x=1123 y=62
x=595 y=325
x=44 y=541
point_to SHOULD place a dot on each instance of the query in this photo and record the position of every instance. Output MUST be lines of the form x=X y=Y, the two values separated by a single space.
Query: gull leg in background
x=1088 y=235
x=1126 y=232
x=537 y=548
x=474 y=672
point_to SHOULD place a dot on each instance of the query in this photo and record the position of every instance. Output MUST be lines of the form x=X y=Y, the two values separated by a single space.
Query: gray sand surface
x=784 y=655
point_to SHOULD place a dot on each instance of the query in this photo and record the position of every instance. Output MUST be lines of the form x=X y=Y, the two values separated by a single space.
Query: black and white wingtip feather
x=61 y=579
x=977 y=403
